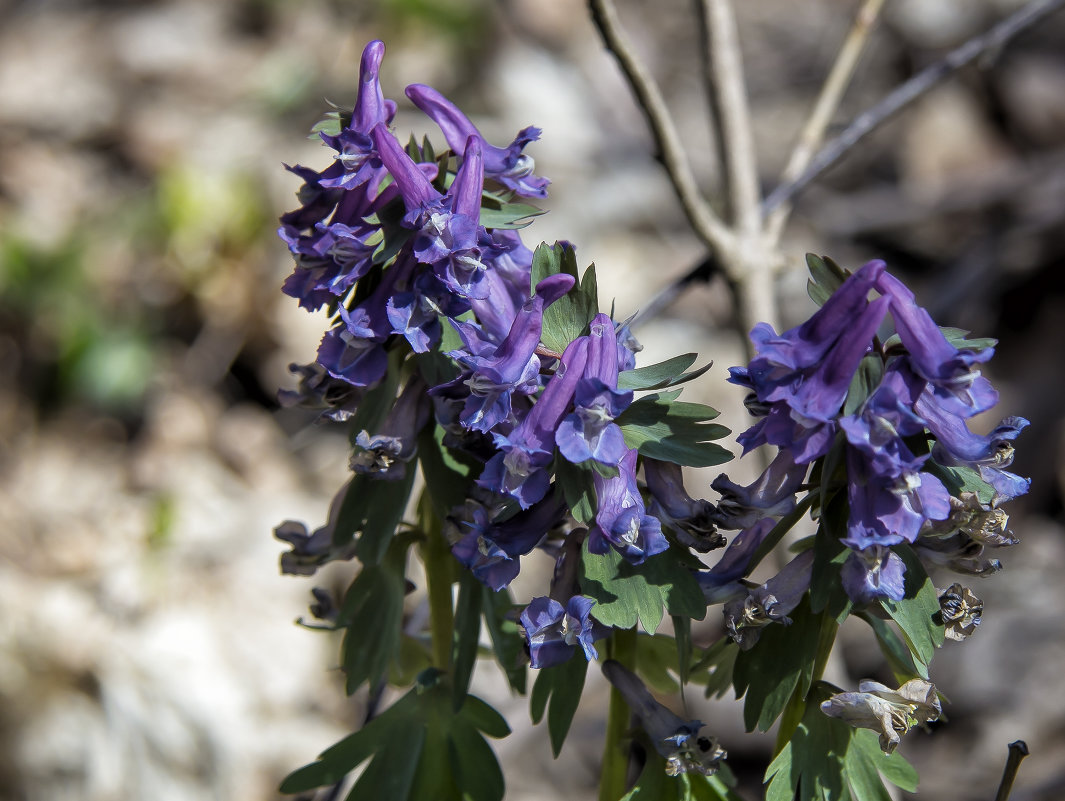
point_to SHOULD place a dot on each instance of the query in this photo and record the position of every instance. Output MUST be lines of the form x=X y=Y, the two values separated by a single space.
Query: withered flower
x=961 y=611
x=889 y=712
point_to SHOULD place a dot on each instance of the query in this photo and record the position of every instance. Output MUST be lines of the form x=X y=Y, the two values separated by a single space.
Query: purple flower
x=356 y=360
x=879 y=427
x=507 y=165
x=887 y=510
x=519 y=469
x=956 y=384
x=772 y=494
x=957 y=445
x=803 y=374
x=622 y=520
x=769 y=603
x=673 y=737
x=589 y=432
x=722 y=582
x=386 y=453
x=447 y=227
x=356 y=154
x=554 y=632
x=691 y=519
x=492 y=549
x=872 y=574
x=511 y=367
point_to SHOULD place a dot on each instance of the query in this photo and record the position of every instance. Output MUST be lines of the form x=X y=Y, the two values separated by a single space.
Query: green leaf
x=509 y=215
x=781 y=660
x=387 y=504
x=625 y=593
x=826 y=590
x=825 y=278
x=682 y=633
x=900 y=659
x=961 y=479
x=719 y=681
x=578 y=489
x=918 y=614
x=811 y=764
x=477 y=771
x=958 y=337
x=569 y=316
x=446 y=479
x=865 y=381
x=669 y=373
x=505 y=637
x=865 y=783
x=484 y=717
x=656 y=657
x=558 y=689
x=673 y=431
x=467 y=632
x=892 y=767
x=377 y=402
x=372 y=613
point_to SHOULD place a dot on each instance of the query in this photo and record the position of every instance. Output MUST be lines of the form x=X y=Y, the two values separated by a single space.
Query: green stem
x=613 y=777
x=436 y=556
x=783 y=526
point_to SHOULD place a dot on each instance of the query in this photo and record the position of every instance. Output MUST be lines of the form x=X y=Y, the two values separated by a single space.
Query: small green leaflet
x=781 y=660
x=576 y=483
x=509 y=215
x=372 y=613
x=669 y=373
x=961 y=479
x=506 y=641
x=810 y=766
x=918 y=613
x=825 y=278
x=558 y=690
x=419 y=748
x=660 y=427
x=569 y=316
x=625 y=593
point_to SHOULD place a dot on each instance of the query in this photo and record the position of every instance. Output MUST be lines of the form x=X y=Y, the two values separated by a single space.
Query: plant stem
x=614 y=774
x=436 y=556
x=1018 y=751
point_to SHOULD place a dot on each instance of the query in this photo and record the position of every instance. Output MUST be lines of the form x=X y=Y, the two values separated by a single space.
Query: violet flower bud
x=772 y=494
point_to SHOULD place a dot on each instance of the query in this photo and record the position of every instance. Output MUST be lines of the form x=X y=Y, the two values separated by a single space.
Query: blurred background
x=147 y=644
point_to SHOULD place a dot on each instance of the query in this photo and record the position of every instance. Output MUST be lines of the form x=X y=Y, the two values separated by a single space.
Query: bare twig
x=1018 y=751
x=725 y=76
x=905 y=94
x=708 y=227
x=813 y=132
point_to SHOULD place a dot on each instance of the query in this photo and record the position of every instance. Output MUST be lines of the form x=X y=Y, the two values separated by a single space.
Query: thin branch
x=708 y=227
x=1018 y=750
x=712 y=99
x=905 y=94
x=828 y=101
x=729 y=89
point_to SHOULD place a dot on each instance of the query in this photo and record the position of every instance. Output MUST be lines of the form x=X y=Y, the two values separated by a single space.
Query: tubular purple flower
x=507 y=165
x=622 y=520
x=356 y=155
x=892 y=509
x=878 y=428
x=513 y=366
x=386 y=454
x=519 y=469
x=772 y=494
x=958 y=386
x=553 y=631
x=872 y=574
x=491 y=549
x=722 y=581
x=957 y=445
x=673 y=737
x=769 y=603
x=691 y=519
x=356 y=360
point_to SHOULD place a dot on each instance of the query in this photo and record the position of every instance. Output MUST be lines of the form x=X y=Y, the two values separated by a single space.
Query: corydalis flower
x=692 y=520
x=509 y=165
x=553 y=631
x=961 y=611
x=386 y=453
x=889 y=712
x=675 y=738
x=984 y=522
x=770 y=603
x=772 y=494
x=622 y=520
x=873 y=574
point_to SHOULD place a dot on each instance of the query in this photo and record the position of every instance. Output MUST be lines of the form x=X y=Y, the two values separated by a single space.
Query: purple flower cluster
x=897 y=410
x=390 y=241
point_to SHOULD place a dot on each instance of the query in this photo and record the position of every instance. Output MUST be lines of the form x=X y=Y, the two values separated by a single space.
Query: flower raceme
x=469 y=364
